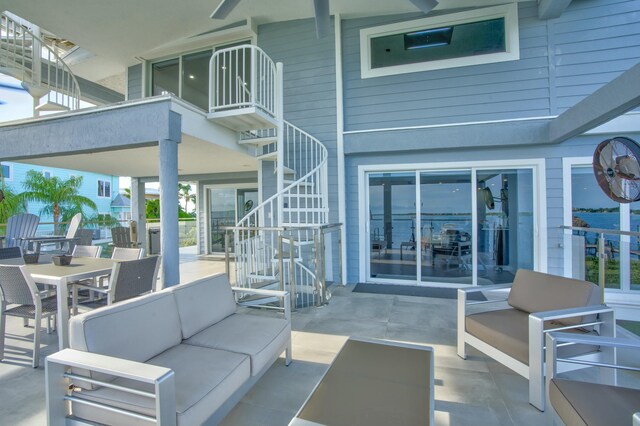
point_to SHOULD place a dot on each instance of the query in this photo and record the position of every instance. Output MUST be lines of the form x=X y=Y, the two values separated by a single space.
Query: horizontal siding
x=309 y=89
x=594 y=41
x=503 y=90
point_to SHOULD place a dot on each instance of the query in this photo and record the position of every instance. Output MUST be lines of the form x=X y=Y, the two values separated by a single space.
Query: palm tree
x=11 y=205
x=56 y=194
x=184 y=193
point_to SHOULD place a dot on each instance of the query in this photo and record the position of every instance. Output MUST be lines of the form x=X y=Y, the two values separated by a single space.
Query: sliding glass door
x=467 y=226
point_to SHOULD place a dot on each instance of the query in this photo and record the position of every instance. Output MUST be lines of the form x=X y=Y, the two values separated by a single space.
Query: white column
x=169 y=212
x=139 y=210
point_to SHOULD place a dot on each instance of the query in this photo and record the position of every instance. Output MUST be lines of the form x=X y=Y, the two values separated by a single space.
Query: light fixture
x=224 y=8
x=323 y=21
x=191 y=76
x=425 y=5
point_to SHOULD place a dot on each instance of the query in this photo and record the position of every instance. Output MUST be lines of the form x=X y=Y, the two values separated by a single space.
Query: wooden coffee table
x=373 y=382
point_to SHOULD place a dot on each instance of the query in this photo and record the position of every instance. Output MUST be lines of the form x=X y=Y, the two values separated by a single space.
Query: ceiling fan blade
x=425 y=5
x=323 y=22
x=224 y=8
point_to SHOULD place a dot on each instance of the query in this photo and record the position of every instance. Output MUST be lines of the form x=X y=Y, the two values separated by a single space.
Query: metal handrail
x=49 y=71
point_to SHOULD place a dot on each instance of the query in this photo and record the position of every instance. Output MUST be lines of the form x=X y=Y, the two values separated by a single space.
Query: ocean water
x=609 y=221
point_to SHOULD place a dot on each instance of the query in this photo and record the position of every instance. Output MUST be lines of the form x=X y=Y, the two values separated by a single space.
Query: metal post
x=226 y=255
x=601 y=263
x=281 y=260
x=292 y=274
x=340 y=264
x=323 y=281
x=316 y=267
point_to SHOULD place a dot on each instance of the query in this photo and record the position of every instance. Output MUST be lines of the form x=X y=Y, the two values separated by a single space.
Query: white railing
x=241 y=77
x=27 y=58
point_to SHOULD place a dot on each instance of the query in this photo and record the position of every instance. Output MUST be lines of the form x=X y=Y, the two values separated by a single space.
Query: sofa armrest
x=571 y=312
x=58 y=378
x=283 y=295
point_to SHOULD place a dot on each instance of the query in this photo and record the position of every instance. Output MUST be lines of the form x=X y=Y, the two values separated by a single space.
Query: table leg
x=63 y=315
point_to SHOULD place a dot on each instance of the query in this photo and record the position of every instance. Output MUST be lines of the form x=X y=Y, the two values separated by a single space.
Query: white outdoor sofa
x=536 y=303
x=183 y=356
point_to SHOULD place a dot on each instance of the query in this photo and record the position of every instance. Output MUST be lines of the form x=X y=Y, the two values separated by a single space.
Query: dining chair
x=129 y=278
x=11 y=256
x=86 y=251
x=18 y=288
x=122 y=253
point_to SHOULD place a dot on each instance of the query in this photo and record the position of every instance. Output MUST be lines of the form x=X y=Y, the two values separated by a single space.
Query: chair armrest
x=58 y=377
x=571 y=312
x=477 y=289
x=284 y=295
x=590 y=339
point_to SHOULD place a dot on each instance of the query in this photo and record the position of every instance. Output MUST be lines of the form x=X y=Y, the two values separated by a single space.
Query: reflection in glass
x=222 y=213
x=392 y=225
x=505 y=224
x=195 y=78
x=165 y=78
x=591 y=208
x=445 y=220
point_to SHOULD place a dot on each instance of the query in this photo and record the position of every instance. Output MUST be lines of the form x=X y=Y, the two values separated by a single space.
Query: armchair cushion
x=582 y=403
x=538 y=292
x=262 y=338
x=205 y=379
x=203 y=303
x=508 y=331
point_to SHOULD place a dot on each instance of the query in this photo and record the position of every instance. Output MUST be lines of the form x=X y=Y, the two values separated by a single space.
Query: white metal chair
x=586 y=402
x=122 y=253
x=64 y=243
x=18 y=288
x=86 y=251
x=128 y=279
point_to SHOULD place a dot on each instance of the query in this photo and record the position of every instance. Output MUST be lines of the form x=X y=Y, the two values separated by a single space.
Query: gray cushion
x=582 y=403
x=508 y=331
x=538 y=292
x=138 y=329
x=204 y=302
x=204 y=379
x=262 y=338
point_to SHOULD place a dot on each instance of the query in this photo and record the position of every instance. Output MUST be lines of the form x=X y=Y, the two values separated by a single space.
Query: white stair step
x=288 y=182
x=51 y=106
x=262 y=277
x=35 y=90
x=258 y=141
x=271 y=156
x=15 y=72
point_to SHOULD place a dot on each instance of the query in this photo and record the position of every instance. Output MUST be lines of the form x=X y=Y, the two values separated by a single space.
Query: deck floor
x=476 y=391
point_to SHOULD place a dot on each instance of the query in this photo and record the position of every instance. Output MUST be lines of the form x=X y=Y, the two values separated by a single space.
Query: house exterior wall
x=88 y=189
x=134 y=82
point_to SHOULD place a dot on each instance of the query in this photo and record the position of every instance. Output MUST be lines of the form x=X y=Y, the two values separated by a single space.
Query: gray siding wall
x=561 y=62
x=553 y=155
x=134 y=82
x=309 y=86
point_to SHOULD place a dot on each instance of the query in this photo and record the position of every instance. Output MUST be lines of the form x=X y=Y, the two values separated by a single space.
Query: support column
x=139 y=211
x=169 y=212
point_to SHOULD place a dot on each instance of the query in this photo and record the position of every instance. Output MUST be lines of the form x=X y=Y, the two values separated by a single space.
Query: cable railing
x=25 y=56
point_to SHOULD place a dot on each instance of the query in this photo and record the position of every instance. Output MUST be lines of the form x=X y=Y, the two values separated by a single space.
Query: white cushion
x=262 y=338
x=137 y=329
x=203 y=302
x=204 y=379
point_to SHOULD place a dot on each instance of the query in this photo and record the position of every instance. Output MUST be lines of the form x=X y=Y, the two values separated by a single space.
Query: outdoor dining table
x=45 y=272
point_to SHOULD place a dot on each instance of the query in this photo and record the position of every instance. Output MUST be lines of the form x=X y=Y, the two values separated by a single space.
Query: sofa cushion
x=137 y=329
x=262 y=338
x=582 y=403
x=203 y=302
x=508 y=331
x=538 y=292
x=204 y=379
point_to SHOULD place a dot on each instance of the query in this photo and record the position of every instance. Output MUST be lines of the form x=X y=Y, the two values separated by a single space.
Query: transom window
x=7 y=171
x=446 y=41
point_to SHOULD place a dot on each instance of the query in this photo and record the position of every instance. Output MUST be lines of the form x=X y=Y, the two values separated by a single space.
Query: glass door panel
x=505 y=224
x=247 y=201
x=446 y=227
x=222 y=208
x=392 y=222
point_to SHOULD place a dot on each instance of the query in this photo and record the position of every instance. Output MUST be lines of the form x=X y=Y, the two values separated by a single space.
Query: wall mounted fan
x=616 y=165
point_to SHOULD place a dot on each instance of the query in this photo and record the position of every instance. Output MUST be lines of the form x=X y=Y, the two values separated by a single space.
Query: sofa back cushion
x=137 y=329
x=203 y=303
x=538 y=292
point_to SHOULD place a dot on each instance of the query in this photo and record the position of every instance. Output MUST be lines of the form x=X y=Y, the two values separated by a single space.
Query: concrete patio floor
x=475 y=391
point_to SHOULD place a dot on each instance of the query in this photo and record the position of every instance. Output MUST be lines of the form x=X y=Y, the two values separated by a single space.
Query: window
x=7 y=171
x=47 y=173
x=104 y=188
x=453 y=40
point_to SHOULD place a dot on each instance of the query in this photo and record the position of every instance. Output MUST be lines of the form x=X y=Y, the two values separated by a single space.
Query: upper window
x=104 y=188
x=453 y=40
x=7 y=171
x=47 y=173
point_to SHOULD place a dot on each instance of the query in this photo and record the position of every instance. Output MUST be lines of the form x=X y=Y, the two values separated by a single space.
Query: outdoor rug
x=409 y=290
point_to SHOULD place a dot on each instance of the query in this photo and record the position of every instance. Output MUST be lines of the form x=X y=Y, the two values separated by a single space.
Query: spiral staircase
x=275 y=244
x=43 y=74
